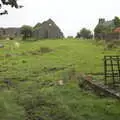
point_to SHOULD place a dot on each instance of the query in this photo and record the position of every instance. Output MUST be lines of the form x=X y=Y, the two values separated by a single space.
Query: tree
x=84 y=33
x=78 y=35
x=103 y=29
x=117 y=21
x=12 y=3
x=26 y=31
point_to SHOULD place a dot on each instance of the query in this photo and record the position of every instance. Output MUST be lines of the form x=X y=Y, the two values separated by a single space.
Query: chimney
x=101 y=20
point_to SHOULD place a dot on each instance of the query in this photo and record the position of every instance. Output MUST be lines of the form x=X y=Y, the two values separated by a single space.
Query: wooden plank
x=102 y=88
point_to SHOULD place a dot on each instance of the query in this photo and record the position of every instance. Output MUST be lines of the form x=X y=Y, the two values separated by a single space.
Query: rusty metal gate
x=112 y=70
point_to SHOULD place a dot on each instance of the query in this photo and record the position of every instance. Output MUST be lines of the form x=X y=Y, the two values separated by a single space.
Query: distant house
x=107 y=30
x=117 y=30
x=48 y=29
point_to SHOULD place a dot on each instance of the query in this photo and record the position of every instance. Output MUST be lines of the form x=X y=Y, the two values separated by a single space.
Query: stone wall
x=108 y=36
x=10 y=32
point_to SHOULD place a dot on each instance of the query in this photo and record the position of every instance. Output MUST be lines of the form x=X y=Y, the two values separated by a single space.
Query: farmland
x=29 y=75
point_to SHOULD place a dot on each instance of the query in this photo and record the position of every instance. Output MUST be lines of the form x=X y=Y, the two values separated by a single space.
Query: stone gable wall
x=48 y=29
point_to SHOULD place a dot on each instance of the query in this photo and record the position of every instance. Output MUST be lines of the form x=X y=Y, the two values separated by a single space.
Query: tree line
x=84 y=33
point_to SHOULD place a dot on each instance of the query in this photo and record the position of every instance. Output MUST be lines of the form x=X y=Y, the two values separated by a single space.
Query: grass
x=29 y=76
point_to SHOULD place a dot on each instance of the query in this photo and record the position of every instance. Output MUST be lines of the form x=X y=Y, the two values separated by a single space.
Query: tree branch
x=12 y=3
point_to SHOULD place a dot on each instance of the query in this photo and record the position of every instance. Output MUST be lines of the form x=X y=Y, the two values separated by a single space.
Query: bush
x=100 y=42
x=11 y=38
x=45 y=49
x=26 y=31
x=43 y=106
x=110 y=45
x=84 y=33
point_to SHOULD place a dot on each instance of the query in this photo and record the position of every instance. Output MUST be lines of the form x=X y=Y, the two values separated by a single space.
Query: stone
x=17 y=45
x=1 y=46
x=60 y=82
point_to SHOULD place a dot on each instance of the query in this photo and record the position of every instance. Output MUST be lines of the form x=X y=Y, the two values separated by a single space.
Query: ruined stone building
x=48 y=29
x=106 y=30
x=10 y=32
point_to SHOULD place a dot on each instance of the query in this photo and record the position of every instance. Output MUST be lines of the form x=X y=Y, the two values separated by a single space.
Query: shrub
x=84 y=33
x=26 y=31
x=111 y=45
x=45 y=49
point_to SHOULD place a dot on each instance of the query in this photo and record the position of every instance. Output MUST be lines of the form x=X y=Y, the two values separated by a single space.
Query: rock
x=17 y=45
x=7 y=81
x=60 y=82
x=1 y=46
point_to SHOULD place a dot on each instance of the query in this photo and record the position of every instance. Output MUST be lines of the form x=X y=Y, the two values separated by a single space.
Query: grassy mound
x=29 y=77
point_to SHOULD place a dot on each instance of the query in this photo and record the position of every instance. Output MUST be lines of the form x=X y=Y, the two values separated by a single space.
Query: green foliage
x=45 y=50
x=26 y=31
x=78 y=35
x=12 y=3
x=9 y=109
x=34 y=93
x=117 y=21
x=99 y=29
x=85 y=33
x=112 y=44
x=102 y=29
x=42 y=105
x=105 y=29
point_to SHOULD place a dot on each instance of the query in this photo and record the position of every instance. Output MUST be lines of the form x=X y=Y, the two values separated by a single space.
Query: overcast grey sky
x=69 y=15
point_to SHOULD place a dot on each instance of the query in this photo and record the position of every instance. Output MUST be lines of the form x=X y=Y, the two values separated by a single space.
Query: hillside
x=29 y=75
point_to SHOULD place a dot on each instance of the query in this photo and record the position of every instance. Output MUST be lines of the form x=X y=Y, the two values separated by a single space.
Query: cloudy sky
x=69 y=15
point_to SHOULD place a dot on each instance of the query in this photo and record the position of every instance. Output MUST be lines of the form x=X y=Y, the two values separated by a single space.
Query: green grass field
x=33 y=70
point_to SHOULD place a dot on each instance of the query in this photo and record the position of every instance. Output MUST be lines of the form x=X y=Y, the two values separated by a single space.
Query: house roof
x=117 y=30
